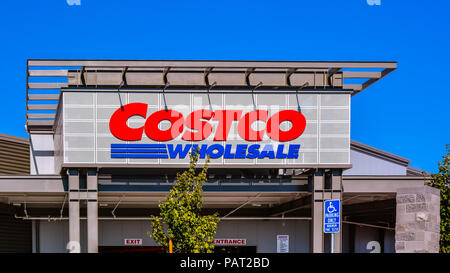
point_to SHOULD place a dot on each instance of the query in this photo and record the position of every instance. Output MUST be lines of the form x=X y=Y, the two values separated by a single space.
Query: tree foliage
x=441 y=181
x=180 y=218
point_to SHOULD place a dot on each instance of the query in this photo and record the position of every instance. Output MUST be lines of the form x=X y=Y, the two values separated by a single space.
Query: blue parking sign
x=331 y=216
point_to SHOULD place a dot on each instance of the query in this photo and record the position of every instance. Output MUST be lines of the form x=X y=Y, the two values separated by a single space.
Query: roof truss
x=46 y=78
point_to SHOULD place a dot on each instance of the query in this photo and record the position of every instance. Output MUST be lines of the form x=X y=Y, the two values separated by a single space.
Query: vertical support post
x=317 y=237
x=336 y=194
x=74 y=211
x=92 y=211
x=35 y=236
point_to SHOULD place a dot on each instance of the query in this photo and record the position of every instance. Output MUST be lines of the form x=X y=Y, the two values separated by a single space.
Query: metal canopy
x=46 y=78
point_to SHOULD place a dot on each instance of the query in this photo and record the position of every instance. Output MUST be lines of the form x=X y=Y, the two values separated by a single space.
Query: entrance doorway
x=157 y=249
x=130 y=249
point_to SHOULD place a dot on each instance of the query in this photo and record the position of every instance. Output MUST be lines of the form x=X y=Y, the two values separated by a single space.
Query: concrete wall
x=42 y=160
x=364 y=164
x=54 y=236
x=113 y=233
x=365 y=235
x=262 y=234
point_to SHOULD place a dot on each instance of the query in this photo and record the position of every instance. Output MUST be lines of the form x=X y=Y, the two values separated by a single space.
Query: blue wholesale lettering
x=229 y=151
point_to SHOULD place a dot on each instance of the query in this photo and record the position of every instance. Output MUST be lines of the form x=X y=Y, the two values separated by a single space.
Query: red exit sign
x=133 y=242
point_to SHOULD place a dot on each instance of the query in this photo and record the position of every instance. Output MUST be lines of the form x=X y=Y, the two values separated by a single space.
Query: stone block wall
x=417 y=220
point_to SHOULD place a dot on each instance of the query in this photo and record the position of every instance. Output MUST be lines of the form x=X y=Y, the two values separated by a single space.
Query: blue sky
x=406 y=113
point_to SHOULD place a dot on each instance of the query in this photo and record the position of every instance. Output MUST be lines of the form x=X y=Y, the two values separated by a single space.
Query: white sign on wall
x=132 y=242
x=282 y=243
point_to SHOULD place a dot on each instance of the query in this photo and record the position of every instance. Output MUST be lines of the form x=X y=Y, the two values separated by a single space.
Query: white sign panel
x=235 y=129
x=132 y=242
x=282 y=243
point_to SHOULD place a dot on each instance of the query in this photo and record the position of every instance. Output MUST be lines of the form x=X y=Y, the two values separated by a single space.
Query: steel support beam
x=216 y=64
x=291 y=206
x=92 y=211
x=74 y=211
x=318 y=185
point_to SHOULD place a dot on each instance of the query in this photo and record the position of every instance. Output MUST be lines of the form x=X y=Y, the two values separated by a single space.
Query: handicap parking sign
x=331 y=216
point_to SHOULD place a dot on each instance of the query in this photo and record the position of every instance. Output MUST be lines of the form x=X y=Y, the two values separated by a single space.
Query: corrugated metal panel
x=15 y=235
x=14 y=157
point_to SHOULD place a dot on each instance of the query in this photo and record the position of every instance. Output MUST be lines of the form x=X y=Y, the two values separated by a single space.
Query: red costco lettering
x=118 y=122
x=177 y=123
x=297 y=120
x=199 y=128
x=245 y=125
x=225 y=118
x=194 y=121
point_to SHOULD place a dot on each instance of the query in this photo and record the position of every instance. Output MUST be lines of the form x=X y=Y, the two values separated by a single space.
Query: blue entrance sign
x=331 y=216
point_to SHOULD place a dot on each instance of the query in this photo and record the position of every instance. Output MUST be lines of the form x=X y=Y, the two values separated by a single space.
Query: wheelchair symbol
x=331 y=208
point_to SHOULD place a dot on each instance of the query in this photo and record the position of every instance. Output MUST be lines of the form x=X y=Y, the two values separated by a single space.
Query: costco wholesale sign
x=197 y=129
x=234 y=129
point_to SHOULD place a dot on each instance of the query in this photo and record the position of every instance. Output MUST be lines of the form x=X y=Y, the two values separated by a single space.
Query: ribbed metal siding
x=15 y=235
x=14 y=157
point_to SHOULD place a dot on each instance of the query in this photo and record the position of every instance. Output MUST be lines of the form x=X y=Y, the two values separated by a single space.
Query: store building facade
x=107 y=138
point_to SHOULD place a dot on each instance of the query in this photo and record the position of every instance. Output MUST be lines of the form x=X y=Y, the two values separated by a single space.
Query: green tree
x=180 y=219
x=441 y=181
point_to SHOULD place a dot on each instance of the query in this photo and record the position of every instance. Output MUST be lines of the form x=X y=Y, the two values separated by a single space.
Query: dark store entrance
x=235 y=249
x=130 y=249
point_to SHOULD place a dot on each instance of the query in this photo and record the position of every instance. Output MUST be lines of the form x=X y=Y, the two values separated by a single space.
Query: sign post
x=331 y=219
